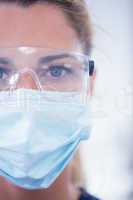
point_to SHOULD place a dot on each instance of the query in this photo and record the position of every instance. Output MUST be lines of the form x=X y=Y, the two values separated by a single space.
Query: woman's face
x=38 y=25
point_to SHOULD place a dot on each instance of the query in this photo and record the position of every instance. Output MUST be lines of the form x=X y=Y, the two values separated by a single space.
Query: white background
x=107 y=156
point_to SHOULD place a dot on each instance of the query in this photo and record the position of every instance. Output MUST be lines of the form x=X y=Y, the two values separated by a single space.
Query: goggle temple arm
x=91 y=67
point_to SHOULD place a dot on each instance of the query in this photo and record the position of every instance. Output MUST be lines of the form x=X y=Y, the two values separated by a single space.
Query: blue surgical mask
x=39 y=137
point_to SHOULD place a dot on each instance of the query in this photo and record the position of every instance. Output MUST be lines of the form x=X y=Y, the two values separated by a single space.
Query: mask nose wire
x=32 y=74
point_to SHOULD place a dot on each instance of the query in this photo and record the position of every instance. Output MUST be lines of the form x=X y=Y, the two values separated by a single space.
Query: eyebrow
x=49 y=58
x=42 y=60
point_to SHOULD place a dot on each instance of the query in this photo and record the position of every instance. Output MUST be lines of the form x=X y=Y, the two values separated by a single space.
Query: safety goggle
x=44 y=69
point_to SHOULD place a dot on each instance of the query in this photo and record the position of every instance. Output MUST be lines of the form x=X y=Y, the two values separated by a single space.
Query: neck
x=60 y=189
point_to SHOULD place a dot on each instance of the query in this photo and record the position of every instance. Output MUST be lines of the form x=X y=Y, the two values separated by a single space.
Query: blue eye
x=3 y=73
x=58 y=71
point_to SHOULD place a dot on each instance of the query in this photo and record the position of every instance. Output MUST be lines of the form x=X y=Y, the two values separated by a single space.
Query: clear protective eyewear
x=44 y=69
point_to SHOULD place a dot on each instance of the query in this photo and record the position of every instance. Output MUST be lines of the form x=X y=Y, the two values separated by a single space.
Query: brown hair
x=77 y=13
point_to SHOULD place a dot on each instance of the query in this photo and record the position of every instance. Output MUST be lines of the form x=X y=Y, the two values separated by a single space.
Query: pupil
x=56 y=71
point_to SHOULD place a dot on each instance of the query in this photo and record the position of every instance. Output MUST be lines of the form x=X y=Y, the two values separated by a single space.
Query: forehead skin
x=39 y=25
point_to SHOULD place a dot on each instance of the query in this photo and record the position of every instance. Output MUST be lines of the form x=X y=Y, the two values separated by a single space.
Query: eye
x=4 y=73
x=58 y=71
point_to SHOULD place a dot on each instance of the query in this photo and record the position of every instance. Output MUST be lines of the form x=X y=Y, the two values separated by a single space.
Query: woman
x=37 y=144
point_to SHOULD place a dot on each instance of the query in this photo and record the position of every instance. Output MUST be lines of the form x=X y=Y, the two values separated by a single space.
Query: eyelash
x=62 y=67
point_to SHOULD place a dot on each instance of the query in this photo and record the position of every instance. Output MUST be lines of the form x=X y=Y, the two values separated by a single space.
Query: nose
x=28 y=81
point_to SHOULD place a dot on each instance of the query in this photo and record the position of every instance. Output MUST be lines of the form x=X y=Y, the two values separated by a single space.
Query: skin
x=51 y=29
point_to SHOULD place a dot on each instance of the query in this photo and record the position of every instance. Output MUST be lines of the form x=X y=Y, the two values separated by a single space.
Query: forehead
x=39 y=25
